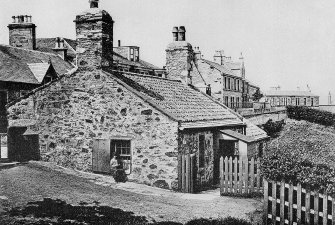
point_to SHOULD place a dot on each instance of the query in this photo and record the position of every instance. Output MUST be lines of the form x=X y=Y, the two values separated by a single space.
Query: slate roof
x=254 y=131
x=289 y=93
x=14 y=64
x=221 y=68
x=182 y=102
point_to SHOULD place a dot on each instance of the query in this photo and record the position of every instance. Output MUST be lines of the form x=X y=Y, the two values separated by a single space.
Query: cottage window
x=201 y=151
x=123 y=149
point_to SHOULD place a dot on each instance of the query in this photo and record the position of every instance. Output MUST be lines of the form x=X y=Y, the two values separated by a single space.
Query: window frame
x=113 y=147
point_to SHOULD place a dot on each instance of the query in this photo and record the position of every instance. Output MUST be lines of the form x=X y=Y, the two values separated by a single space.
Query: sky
x=290 y=43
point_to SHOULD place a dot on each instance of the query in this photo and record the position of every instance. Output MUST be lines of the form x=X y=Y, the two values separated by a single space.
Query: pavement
x=5 y=165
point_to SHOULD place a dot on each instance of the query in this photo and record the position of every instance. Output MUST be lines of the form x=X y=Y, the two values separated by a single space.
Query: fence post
x=252 y=175
x=274 y=202
x=266 y=199
x=282 y=203
x=221 y=176
x=333 y=209
x=230 y=174
x=235 y=175
x=246 y=176
x=290 y=204
x=226 y=174
x=299 y=204
x=308 y=207
x=187 y=173
x=240 y=183
x=325 y=210
x=316 y=207
x=183 y=172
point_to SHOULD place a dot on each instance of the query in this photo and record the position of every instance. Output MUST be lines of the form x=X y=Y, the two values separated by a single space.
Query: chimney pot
x=175 y=33
x=181 y=33
x=94 y=3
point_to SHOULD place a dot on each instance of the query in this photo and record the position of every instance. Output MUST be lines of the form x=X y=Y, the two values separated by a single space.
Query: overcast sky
x=290 y=43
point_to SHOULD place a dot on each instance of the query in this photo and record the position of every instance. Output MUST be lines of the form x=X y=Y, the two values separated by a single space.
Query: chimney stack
x=181 y=33
x=60 y=48
x=22 y=32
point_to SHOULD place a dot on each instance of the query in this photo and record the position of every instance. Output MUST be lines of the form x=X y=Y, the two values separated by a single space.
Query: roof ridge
x=144 y=75
x=30 y=50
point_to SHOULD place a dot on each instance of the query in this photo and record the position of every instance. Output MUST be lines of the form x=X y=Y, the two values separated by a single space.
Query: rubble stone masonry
x=72 y=112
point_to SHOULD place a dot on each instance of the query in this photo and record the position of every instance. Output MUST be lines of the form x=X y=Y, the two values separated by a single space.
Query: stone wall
x=73 y=111
x=189 y=144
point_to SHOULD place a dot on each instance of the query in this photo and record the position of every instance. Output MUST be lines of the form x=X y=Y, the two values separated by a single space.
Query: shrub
x=226 y=221
x=272 y=128
x=311 y=115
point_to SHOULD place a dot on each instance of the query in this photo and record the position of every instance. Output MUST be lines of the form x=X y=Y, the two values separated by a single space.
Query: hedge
x=311 y=115
x=295 y=167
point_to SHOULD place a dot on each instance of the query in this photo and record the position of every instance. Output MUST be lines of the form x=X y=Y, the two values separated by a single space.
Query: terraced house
x=226 y=79
x=97 y=107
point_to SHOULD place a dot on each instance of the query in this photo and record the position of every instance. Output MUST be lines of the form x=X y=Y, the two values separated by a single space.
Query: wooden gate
x=240 y=176
x=186 y=173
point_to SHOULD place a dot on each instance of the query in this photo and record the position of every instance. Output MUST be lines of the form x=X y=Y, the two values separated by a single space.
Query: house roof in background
x=141 y=63
x=222 y=68
x=47 y=45
x=182 y=102
x=289 y=93
x=14 y=64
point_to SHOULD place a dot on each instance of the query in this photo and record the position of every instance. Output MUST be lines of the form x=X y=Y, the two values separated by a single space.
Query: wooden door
x=101 y=156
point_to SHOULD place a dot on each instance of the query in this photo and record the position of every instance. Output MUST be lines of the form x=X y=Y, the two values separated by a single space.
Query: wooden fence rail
x=240 y=176
x=288 y=204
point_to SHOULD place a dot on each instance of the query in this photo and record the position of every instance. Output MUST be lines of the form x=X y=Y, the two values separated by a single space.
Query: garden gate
x=186 y=173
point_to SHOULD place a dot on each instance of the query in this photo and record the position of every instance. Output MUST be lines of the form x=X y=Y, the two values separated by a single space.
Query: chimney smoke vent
x=175 y=33
x=181 y=33
x=94 y=3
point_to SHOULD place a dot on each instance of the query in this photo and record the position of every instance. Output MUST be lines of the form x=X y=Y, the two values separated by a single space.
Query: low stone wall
x=260 y=119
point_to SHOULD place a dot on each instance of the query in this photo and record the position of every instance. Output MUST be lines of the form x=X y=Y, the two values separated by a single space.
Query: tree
x=257 y=95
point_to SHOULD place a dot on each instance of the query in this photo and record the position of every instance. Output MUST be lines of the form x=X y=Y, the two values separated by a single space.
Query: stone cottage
x=85 y=116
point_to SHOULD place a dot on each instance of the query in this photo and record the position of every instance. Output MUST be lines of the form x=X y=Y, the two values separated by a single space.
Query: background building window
x=312 y=101
x=201 y=151
x=131 y=54
x=305 y=101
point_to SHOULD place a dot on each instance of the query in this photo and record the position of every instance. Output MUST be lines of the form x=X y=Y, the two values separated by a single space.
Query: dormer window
x=131 y=54
x=136 y=55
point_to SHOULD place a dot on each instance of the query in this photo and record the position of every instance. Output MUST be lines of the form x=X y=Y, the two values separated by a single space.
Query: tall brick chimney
x=179 y=57
x=94 y=30
x=22 y=32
